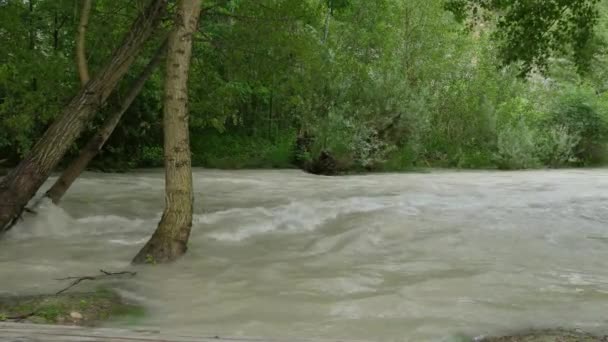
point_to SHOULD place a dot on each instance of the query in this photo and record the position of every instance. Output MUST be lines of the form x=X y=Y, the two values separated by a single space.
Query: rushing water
x=388 y=257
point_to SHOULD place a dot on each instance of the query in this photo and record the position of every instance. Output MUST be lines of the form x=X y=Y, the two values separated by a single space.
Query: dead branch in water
x=104 y=275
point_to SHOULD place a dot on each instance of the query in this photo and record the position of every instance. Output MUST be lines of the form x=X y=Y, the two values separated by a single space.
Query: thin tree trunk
x=81 y=56
x=55 y=31
x=95 y=144
x=327 y=19
x=22 y=183
x=170 y=240
x=32 y=38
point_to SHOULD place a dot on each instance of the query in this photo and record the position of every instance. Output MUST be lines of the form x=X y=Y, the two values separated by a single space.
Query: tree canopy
x=529 y=32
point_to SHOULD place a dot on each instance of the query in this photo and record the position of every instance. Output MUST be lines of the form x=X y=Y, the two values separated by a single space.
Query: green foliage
x=517 y=147
x=50 y=312
x=94 y=307
x=400 y=159
x=395 y=84
x=223 y=151
x=557 y=147
x=529 y=32
x=151 y=156
x=582 y=115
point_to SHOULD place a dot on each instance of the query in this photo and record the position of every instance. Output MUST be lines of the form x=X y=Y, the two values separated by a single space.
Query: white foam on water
x=238 y=224
x=124 y=242
x=106 y=219
x=48 y=220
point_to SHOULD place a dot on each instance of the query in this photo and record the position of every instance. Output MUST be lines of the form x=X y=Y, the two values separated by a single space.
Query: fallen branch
x=78 y=280
x=118 y=273
x=19 y=318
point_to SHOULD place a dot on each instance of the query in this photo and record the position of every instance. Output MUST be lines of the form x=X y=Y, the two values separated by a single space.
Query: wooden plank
x=18 y=332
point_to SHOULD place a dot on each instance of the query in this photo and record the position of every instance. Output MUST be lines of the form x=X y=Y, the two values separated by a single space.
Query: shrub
x=517 y=147
x=151 y=156
x=579 y=112
x=557 y=147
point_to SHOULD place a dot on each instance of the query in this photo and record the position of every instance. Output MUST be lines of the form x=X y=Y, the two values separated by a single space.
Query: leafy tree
x=529 y=32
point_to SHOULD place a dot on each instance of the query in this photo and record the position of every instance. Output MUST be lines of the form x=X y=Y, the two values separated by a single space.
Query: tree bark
x=170 y=239
x=95 y=144
x=81 y=56
x=22 y=183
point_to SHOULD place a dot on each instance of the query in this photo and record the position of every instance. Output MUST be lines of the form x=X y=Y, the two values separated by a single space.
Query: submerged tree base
x=84 y=308
x=548 y=336
x=161 y=248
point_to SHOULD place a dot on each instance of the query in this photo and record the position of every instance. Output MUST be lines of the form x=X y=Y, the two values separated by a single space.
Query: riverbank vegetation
x=376 y=85
x=75 y=308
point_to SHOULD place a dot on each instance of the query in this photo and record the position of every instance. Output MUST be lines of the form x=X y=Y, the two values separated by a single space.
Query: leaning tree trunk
x=22 y=183
x=95 y=144
x=170 y=240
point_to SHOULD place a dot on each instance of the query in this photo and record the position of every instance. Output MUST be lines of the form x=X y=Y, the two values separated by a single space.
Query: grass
x=94 y=307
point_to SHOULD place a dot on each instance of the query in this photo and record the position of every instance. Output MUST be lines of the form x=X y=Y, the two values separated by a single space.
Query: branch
x=81 y=58
x=78 y=280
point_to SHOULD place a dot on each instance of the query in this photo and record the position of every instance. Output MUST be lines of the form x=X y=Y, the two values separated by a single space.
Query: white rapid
x=386 y=257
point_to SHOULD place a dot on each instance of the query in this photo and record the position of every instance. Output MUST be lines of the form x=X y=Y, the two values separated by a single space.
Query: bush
x=579 y=112
x=517 y=147
x=557 y=147
x=213 y=149
x=476 y=159
x=400 y=159
x=152 y=156
x=351 y=144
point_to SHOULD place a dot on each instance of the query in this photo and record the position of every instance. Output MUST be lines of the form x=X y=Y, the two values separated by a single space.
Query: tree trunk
x=81 y=56
x=94 y=145
x=170 y=239
x=55 y=31
x=22 y=183
x=327 y=19
x=32 y=38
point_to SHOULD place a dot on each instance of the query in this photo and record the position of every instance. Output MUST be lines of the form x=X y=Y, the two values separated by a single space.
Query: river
x=381 y=257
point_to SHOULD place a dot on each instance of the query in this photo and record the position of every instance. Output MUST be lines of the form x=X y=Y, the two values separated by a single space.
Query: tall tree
x=92 y=148
x=170 y=240
x=22 y=183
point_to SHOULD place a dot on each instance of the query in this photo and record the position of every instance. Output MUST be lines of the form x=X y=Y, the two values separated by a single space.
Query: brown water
x=391 y=257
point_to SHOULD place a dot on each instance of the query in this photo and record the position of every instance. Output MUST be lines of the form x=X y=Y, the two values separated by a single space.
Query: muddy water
x=391 y=257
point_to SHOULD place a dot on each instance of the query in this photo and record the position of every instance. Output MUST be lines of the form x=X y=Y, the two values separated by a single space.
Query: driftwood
x=104 y=275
